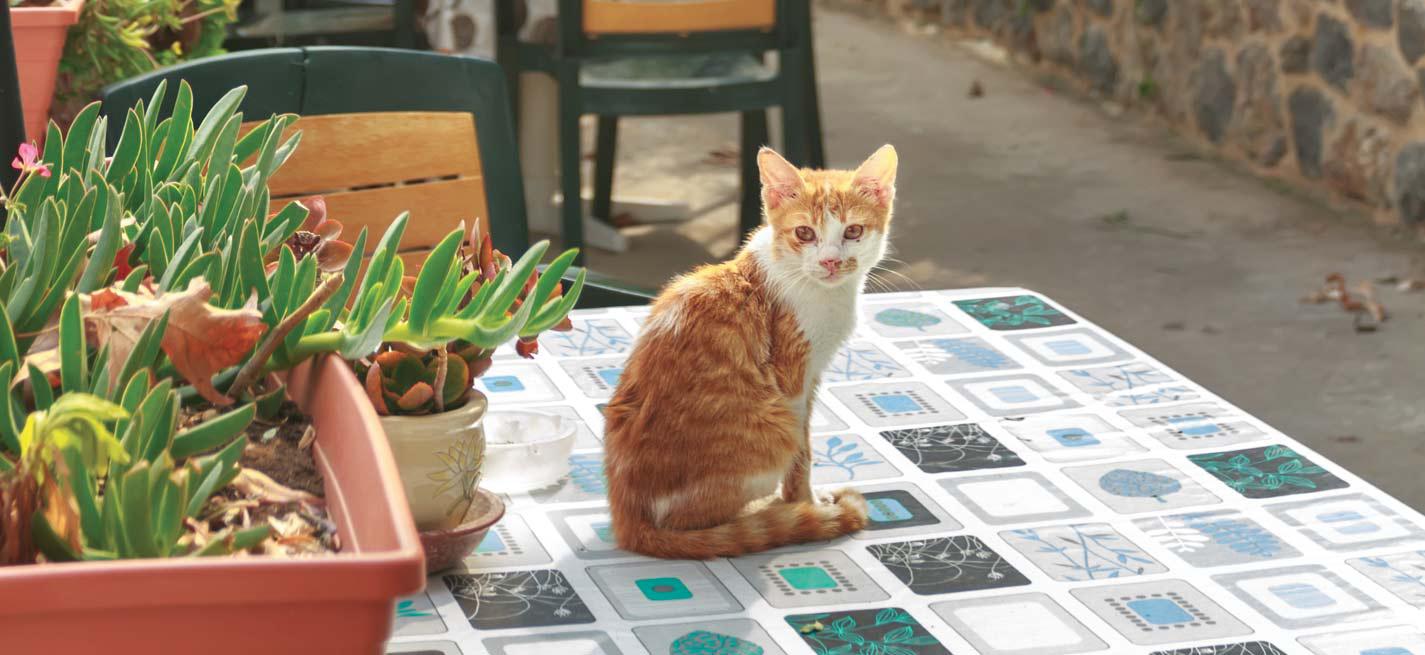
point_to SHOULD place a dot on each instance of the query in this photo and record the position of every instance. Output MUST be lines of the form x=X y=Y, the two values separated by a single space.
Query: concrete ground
x=1195 y=262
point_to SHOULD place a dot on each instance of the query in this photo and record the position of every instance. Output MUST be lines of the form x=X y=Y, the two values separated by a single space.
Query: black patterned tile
x=952 y=448
x=947 y=564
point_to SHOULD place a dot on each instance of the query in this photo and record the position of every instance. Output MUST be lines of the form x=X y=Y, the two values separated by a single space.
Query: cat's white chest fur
x=827 y=318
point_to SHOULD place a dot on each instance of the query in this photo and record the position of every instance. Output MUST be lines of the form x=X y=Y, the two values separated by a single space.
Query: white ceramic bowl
x=525 y=450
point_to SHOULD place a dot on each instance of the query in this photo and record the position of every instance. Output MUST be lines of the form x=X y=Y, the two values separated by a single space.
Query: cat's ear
x=876 y=177
x=780 y=179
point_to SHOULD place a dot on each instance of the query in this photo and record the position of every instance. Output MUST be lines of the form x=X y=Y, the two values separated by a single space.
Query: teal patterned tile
x=1014 y=312
x=1268 y=472
x=889 y=630
x=908 y=318
x=708 y=637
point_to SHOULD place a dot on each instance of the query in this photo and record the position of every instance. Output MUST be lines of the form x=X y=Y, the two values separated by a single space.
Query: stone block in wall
x=1221 y=19
x=1311 y=113
x=954 y=12
x=1357 y=162
x=1185 y=28
x=991 y=14
x=1096 y=61
x=1295 y=54
x=1258 y=126
x=1151 y=12
x=1410 y=35
x=1386 y=85
x=1410 y=183
x=1332 y=52
x=1372 y=13
x=1215 y=97
x=1101 y=7
x=1264 y=16
x=1057 y=41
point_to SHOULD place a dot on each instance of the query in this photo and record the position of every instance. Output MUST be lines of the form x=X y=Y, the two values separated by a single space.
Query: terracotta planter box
x=39 y=41
x=344 y=603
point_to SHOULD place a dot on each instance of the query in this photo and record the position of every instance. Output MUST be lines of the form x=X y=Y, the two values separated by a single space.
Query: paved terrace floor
x=1191 y=260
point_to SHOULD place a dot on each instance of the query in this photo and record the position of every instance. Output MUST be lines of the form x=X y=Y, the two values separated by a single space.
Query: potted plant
x=117 y=39
x=423 y=388
x=38 y=29
x=149 y=299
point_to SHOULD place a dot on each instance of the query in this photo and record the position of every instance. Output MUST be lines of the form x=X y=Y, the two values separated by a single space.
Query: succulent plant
x=402 y=380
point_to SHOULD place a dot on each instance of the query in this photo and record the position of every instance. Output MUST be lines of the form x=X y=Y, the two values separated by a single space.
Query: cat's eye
x=853 y=232
x=806 y=234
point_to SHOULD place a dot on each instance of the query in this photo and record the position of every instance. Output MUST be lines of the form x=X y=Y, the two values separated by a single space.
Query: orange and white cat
x=711 y=411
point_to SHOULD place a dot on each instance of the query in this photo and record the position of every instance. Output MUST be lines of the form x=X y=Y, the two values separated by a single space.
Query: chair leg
x=816 y=152
x=754 y=136
x=507 y=55
x=572 y=223
x=605 y=154
x=794 y=109
x=405 y=24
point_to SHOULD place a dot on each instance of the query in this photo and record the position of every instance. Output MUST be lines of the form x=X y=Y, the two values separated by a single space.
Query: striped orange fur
x=710 y=415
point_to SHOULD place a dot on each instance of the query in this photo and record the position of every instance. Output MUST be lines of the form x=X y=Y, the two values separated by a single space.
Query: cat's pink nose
x=832 y=266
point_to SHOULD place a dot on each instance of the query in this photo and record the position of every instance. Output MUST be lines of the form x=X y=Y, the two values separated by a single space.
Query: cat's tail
x=777 y=524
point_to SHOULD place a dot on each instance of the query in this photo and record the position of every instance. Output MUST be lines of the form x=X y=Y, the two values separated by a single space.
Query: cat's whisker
x=908 y=279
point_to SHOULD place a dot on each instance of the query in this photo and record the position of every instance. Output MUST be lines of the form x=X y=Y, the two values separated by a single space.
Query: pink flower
x=27 y=161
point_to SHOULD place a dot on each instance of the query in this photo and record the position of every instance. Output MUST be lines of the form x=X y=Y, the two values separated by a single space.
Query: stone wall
x=1326 y=93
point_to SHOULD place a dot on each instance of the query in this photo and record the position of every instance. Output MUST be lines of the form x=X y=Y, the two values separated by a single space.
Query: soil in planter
x=280 y=486
x=275 y=449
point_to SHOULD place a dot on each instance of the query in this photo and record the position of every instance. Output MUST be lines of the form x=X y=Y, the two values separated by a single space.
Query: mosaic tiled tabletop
x=1037 y=487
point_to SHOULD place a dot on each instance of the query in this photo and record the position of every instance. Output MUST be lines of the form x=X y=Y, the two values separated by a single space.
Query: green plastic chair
x=637 y=58
x=322 y=82
x=267 y=23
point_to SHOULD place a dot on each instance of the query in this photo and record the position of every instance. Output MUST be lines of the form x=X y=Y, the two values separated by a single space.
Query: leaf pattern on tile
x=1139 y=484
x=844 y=456
x=492 y=601
x=889 y=631
x=1248 y=648
x=1013 y=312
x=1267 y=472
x=1089 y=551
x=906 y=318
x=1176 y=535
x=946 y=564
x=1403 y=574
x=860 y=361
x=950 y=448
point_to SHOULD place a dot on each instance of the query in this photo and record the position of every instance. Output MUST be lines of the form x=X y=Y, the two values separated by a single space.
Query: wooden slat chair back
x=383 y=131
x=372 y=166
x=677 y=17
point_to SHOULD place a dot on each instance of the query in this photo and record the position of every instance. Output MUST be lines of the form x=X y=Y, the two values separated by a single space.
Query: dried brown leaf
x=258 y=486
x=309 y=437
x=200 y=340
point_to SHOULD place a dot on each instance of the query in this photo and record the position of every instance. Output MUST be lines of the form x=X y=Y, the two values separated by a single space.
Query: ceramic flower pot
x=445 y=548
x=342 y=603
x=39 y=34
x=439 y=457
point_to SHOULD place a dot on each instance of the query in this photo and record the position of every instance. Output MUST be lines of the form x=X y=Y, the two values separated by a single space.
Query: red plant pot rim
x=365 y=569
x=62 y=13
